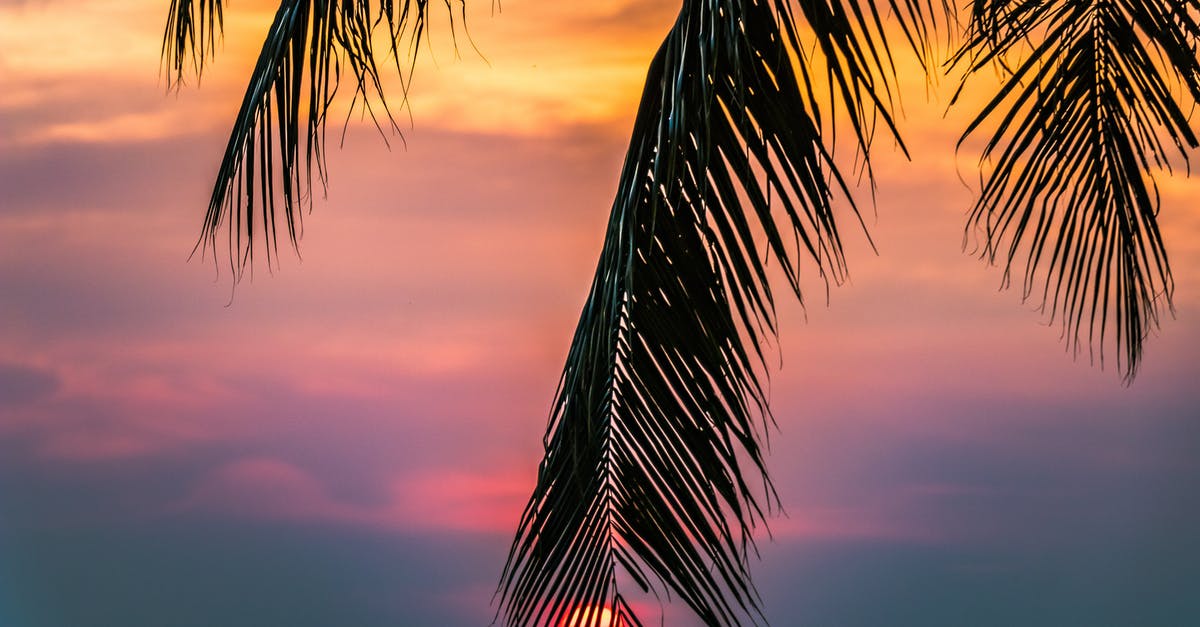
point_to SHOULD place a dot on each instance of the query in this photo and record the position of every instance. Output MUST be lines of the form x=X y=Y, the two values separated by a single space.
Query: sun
x=591 y=616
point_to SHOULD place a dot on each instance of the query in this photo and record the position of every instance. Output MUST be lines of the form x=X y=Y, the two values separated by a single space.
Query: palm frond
x=278 y=135
x=1091 y=110
x=655 y=437
x=920 y=22
x=193 y=28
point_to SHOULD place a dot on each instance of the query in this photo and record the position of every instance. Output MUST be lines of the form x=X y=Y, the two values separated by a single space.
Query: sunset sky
x=349 y=439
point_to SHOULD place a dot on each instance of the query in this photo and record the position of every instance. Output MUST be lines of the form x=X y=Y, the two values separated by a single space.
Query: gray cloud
x=868 y=585
x=20 y=384
x=138 y=176
x=199 y=573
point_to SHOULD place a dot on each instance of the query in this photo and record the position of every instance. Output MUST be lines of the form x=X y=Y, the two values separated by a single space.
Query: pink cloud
x=460 y=501
x=131 y=418
x=267 y=488
x=135 y=418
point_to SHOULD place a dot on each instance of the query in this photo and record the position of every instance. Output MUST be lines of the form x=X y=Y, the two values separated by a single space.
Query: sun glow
x=592 y=616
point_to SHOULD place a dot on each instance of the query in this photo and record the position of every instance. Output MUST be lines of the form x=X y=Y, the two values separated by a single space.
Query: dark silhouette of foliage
x=1086 y=117
x=655 y=442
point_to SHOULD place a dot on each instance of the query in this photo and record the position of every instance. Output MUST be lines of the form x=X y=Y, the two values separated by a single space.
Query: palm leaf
x=655 y=437
x=193 y=27
x=1088 y=114
x=264 y=171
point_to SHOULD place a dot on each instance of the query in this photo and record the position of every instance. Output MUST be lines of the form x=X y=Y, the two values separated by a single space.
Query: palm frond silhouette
x=1096 y=102
x=655 y=436
x=309 y=44
x=654 y=473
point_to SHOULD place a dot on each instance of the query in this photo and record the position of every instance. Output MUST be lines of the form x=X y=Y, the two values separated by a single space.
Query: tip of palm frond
x=190 y=38
x=1085 y=115
x=277 y=145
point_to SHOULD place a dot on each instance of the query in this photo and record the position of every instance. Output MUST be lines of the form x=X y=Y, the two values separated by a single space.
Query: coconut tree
x=654 y=475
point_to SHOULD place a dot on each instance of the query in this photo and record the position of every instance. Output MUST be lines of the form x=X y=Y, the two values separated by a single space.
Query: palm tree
x=654 y=474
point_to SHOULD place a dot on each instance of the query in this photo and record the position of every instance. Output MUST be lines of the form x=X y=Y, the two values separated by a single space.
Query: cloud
x=429 y=500
x=84 y=430
x=390 y=392
x=266 y=488
x=77 y=110
x=826 y=525
x=88 y=413
x=21 y=384
x=454 y=500
x=199 y=572
x=459 y=501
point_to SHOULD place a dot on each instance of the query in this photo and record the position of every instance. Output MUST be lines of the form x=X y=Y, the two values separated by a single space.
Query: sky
x=348 y=439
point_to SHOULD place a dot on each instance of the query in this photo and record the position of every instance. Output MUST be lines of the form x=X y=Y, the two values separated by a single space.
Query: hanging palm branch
x=1091 y=110
x=191 y=35
x=655 y=438
x=310 y=42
